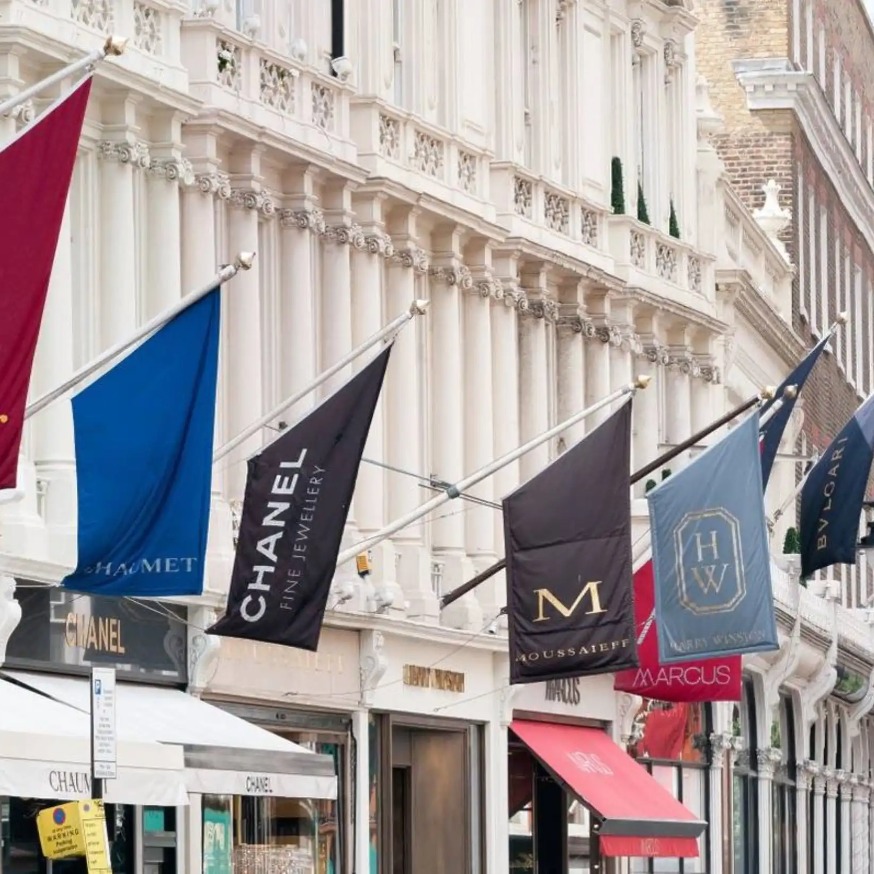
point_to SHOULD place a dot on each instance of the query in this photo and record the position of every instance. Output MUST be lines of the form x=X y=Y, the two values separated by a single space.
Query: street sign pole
x=103 y=734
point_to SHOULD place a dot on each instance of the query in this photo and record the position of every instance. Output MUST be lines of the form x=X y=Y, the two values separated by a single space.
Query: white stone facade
x=473 y=171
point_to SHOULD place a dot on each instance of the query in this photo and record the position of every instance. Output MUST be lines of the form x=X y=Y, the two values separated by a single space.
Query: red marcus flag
x=36 y=168
x=702 y=680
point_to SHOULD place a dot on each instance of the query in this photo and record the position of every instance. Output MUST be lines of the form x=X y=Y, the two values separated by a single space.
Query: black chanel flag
x=567 y=534
x=298 y=492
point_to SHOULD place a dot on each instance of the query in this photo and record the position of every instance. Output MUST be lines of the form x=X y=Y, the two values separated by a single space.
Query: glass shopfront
x=672 y=741
x=255 y=834
x=66 y=633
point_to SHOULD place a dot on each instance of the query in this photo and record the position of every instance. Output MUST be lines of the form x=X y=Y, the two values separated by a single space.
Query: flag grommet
x=3 y=418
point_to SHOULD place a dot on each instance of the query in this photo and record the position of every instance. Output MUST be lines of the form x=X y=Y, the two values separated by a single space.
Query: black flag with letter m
x=298 y=492
x=567 y=534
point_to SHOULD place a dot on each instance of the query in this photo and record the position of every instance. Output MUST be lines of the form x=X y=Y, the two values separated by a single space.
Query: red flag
x=35 y=173
x=703 y=680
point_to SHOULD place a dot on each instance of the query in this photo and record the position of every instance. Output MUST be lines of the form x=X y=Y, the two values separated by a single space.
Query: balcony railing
x=650 y=259
x=400 y=145
x=247 y=78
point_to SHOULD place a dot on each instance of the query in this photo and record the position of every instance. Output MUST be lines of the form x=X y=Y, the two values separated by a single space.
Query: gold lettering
x=70 y=629
x=590 y=589
x=710 y=582
x=712 y=545
x=103 y=634
x=822 y=542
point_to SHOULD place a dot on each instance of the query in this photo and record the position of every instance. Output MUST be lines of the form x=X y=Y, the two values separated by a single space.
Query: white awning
x=224 y=755
x=45 y=752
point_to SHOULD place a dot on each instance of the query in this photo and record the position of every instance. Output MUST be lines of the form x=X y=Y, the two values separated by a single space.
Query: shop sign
x=103 y=737
x=565 y=691
x=81 y=631
x=433 y=678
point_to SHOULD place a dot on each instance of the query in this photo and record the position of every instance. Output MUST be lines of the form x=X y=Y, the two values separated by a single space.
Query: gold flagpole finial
x=790 y=392
x=768 y=392
x=842 y=318
x=115 y=45
x=419 y=307
x=642 y=381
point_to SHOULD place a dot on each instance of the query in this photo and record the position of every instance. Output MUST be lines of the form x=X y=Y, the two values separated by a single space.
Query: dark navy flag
x=144 y=439
x=772 y=430
x=710 y=554
x=568 y=539
x=298 y=492
x=832 y=495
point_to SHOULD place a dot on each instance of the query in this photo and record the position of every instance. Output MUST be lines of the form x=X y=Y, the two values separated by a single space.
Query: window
x=783 y=792
x=745 y=786
x=397 y=50
x=672 y=743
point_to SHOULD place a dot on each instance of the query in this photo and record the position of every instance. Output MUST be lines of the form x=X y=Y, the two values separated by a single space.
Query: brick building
x=794 y=83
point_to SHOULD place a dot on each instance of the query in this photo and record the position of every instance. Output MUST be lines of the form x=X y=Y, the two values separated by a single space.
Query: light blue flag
x=144 y=441
x=710 y=554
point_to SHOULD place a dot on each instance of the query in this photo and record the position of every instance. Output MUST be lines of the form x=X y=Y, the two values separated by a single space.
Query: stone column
x=571 y=332
x=768 y=760
x=845 y=788
x=342 y=235
x=720 y=749
x=704 y=393
x=53 y=452
x=119 y=306
x=368 y=316
x=597 y=355
x=678 y=401
x=860 y=792
x=449 y=279
x=818 y=824
x=533 y=369
x=242 y=368
x=803 y=780
x=505 y=393
x=479 y=416
x=405 y=437
x=199 y=262
x=168 y=172
x=302 y=224
x=831 y=819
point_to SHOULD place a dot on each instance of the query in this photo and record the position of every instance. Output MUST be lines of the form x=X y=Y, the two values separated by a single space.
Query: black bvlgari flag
x=298 y=491
x=567 y=537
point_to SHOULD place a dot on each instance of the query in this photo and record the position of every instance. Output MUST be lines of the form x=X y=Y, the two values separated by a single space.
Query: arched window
x=783 y=807
x=671 y=742
x=745 y=813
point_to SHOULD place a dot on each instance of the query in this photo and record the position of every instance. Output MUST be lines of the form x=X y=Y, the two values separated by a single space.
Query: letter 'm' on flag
x=567 y=535
x=298 y=492
x=144 y=439
x=832 y=495
x=35 y=173
x=772 y=431
x=692 y=681
x=710 y=554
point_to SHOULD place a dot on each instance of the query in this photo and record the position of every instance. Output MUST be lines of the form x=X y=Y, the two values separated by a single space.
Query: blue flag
x=144 y=441
x=772 y=430
x=710 y=554
x=832 y=495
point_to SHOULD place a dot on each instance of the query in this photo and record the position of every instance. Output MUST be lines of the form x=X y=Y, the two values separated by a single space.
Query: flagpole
x=766 y=394
x=417 y=308
x=454 y=491
x=243 y=261
x=778 y=513
x=113 y=47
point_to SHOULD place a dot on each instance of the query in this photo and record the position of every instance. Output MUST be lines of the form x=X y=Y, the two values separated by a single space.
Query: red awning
x=638 y=816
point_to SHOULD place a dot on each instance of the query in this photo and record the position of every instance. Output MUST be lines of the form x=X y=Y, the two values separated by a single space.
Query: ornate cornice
x=379 y=243
x=215 y=183
x=577 y=324
x=306 y=219
x=346 y=235
x=455 y=274
x=135 y=153
x=655 y=351
x=489 y=286
x=258 y=200
x=684 y=361
x=412 y=257
x=173 y=170
x=542 y=308
x=609 y=334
